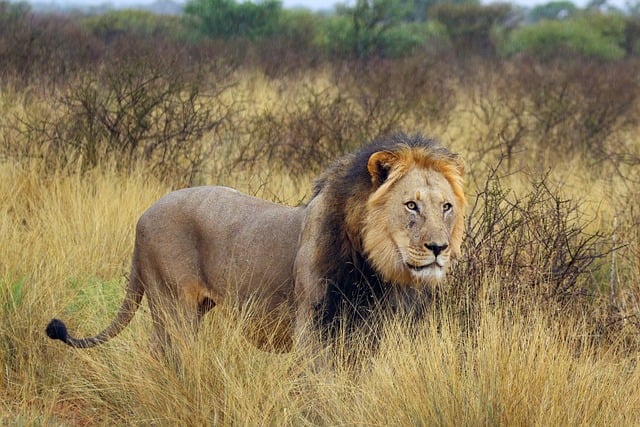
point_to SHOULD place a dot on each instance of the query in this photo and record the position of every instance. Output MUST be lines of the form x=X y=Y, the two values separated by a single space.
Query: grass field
x=508 y=343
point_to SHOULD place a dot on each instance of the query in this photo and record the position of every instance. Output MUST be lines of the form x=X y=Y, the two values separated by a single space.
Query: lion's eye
x=447 y=207
x=412 y=206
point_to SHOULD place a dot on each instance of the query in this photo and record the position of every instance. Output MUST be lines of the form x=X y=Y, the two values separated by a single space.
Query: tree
x=419 y=9
x=227 y=19
x=370 y=20
x=553 y=10
x=470 y=26
x=594 y=36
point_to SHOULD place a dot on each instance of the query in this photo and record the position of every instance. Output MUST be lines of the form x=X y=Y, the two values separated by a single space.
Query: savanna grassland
x=538 y=324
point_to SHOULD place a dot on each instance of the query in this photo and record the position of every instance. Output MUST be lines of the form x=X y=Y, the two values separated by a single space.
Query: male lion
x=380 y=229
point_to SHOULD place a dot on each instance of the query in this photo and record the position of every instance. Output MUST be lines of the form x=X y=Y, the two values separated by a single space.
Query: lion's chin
x=433 y=272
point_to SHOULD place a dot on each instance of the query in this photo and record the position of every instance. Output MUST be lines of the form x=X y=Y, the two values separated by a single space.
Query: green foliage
x=339 y=36
x=94 y=296
x=299 y=26
x=11 y=12
x=12 y=294
x=133 y=22
x=593 y=36
x=227 y=19
x=405 y=38
x=334 y=35
x=470 y=26
x=418 y=10
x=553 y=10
x=386 y=28
x=368 y=23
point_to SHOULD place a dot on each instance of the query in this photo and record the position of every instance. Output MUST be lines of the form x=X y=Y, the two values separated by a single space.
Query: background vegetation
x=101 y=115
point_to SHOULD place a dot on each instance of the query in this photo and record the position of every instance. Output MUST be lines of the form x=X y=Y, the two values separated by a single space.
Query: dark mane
x=352 y=168
x=352 y=282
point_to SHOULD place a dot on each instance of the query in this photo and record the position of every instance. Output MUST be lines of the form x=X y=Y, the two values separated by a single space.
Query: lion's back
x=227 y=239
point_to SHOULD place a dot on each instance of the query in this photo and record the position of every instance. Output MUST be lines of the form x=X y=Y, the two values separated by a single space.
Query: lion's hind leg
x=204 y=306
x=177 y=315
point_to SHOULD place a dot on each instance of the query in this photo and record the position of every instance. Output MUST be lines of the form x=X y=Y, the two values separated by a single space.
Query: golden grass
x=66 y=244
x=65 y=248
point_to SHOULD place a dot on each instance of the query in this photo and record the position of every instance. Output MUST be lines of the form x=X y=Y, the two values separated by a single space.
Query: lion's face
x=414 y=225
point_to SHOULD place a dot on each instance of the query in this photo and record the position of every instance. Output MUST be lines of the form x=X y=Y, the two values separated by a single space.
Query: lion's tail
x=57 y=330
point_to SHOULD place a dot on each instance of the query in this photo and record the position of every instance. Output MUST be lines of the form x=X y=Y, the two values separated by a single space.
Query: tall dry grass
x=486 y=355
x=66 y=246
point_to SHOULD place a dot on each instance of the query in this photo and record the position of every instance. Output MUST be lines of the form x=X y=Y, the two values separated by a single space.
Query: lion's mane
x=354 y=287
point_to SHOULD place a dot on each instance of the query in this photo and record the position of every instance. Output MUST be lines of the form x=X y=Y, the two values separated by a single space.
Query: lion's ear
x=460 y=165
x=379 y=166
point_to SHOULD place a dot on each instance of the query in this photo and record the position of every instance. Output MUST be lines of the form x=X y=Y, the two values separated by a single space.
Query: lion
x=381 y=229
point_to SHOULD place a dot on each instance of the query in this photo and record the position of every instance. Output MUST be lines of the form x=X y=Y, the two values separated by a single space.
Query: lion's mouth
x=423 y=267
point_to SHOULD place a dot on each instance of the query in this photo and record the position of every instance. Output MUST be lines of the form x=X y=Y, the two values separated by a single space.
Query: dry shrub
x=577 y=106
x=558 y=108
x=39 y=50
x=305 y=136
x=148 y=111
x=366 y=99
x=497 y=117
x=416 y=90
x=623 y=290
x=536 y=248
x=538 y=245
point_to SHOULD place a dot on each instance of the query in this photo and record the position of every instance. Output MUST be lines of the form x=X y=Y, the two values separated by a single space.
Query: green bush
x=299 y=26
x=553 y=10
x=345 y=35
x=335 y=36
x=470 y=26
x=133 y=23
x=227 y=19
x=593 y=36
x=369 y=28
x=405 y=38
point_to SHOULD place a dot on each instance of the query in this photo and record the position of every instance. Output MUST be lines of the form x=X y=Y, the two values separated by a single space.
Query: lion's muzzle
x=428 y=263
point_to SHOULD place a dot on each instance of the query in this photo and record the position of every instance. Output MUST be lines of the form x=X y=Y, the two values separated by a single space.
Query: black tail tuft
x=56 y=330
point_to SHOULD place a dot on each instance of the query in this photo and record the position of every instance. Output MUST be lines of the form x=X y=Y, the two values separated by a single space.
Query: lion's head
x=400 y=204
x=414 y=217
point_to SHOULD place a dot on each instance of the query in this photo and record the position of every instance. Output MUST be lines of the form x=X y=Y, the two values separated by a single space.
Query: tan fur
x=201 y=247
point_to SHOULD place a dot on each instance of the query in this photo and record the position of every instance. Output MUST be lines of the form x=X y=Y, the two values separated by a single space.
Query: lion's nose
x=436 y=248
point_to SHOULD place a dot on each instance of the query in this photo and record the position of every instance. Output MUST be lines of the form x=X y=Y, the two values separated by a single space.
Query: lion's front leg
x=310 y=343
x=310 y=293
